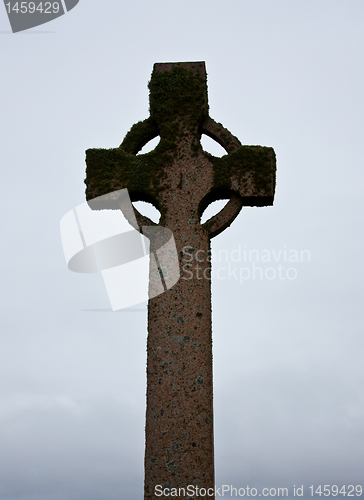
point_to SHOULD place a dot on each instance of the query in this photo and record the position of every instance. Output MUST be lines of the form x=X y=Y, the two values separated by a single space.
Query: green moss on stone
x=139 y=135
x=255 y=161
x=178 y=94
x=111 y=169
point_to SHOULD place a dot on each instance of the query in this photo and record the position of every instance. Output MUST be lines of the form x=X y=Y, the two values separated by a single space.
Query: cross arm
x=249 y=172
x=246 y=177
x=111 y=169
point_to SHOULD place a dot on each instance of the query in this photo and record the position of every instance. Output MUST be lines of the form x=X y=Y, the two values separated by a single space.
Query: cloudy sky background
x=288 y=353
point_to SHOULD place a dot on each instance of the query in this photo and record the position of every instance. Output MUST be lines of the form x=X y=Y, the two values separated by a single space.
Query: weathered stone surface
x=180 y=179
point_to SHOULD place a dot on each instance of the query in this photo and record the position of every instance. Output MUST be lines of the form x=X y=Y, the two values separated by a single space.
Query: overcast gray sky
x=288 y=350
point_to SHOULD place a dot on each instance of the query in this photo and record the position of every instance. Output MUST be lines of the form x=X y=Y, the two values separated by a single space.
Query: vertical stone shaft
x=179 y=418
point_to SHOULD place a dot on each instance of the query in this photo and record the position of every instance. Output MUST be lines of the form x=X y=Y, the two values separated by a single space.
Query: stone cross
x=181 y=180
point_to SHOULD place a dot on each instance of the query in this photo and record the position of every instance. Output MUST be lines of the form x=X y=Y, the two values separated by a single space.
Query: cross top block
x=178 y=168
x=179 y=90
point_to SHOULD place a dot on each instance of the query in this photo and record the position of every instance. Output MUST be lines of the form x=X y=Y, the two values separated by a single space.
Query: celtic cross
x=180 y=179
